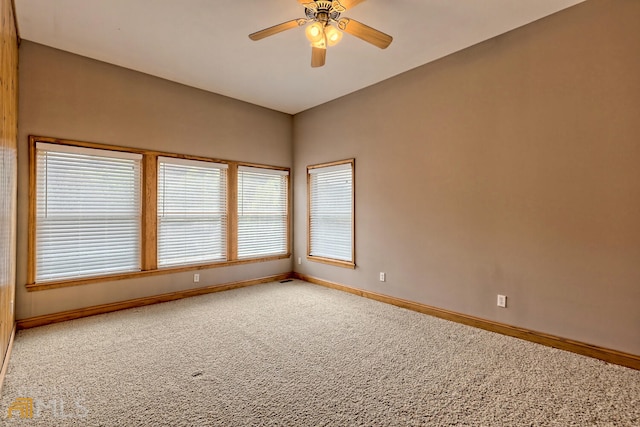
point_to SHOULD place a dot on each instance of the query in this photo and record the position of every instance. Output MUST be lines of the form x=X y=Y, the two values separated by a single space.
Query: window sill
x=330 y=261
x=31 y=287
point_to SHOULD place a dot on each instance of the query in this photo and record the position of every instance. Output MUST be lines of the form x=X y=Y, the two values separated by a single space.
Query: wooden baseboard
x=139 y=302
x=608 y=355
x=7 y=356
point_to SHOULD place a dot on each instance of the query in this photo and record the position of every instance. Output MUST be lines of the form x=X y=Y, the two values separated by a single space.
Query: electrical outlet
x=383 y=276
x=299 y=260
x=502 y=301
x=196 y=278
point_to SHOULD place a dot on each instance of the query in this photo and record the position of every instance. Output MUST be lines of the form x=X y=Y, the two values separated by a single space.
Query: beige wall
x=511 y=167
x=67 y=96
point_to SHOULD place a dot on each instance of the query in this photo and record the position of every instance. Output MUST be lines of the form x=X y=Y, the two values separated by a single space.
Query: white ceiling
x=204 y=43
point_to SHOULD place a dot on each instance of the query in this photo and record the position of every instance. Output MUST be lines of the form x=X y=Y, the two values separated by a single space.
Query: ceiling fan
x=321 y=32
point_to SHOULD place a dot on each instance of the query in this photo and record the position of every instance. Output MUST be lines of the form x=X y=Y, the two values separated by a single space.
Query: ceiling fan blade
x=348 y=4
x=365 y=32
x=308 y=3
x=318 y=56
x=277 y=29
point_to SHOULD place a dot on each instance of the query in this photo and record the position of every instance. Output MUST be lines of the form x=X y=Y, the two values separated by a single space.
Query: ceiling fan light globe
x=333 y=35
x=314 y=32
x=321 y=44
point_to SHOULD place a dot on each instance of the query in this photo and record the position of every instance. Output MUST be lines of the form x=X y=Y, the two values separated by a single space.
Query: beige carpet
x=296 y=354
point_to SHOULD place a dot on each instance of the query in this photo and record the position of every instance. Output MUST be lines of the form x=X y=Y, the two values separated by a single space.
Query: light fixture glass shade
x=315 y=33
x=333 y=35
x=322 y=43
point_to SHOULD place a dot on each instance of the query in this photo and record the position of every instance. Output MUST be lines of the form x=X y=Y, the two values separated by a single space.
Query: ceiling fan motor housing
x=324 y=11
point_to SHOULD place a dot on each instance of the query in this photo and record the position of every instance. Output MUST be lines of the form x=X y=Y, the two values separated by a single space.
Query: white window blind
x=262 y=212
x=192 y=212
x=87 y=212
x=331 y=212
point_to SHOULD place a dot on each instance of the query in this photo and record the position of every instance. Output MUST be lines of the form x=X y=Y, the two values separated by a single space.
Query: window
x=262 y=212
x=192 y=212
x=87 y=212
x=104 y=212
x=331 y=207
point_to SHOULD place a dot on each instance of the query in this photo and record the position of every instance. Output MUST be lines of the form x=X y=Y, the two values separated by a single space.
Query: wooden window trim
x=232 y=212
x=149 y=241
x=324 y=260
x=149 y=212
x=331 y=261
x=136 y=274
